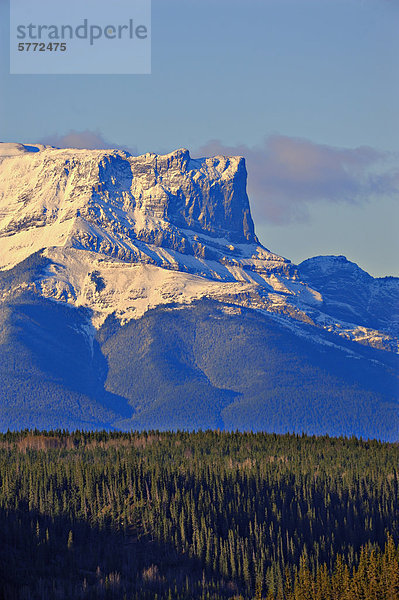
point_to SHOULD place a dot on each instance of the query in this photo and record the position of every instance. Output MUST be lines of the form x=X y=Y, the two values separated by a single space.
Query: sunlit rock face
x=124 y=234
x=103 y=200
x=134 y=293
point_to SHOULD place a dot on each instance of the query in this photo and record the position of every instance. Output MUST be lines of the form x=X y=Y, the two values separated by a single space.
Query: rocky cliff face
x=206 y=195
x=124 y=234
x=107 y=200
x=134 y=293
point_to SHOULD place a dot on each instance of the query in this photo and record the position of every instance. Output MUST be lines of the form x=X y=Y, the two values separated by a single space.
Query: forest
x=206 y=515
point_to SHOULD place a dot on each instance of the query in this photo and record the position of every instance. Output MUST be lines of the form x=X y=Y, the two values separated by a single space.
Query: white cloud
x=83 y=139
x=286 y=175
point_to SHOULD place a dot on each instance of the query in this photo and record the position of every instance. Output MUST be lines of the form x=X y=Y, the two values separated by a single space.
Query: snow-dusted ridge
x=125 y=234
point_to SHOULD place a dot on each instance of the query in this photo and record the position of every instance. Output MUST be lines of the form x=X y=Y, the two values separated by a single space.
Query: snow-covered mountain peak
x=9 y=149
x=328 y=264
x=126 y=233
x=107 y=200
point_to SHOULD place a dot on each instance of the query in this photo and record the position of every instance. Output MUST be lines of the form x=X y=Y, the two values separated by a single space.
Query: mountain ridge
x=170 y=312
x=105 y=219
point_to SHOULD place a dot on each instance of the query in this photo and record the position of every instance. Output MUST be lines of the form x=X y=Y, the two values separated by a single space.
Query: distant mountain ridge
x=111 y=238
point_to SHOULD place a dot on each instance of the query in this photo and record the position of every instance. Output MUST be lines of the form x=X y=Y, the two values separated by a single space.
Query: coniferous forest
x=206 y=515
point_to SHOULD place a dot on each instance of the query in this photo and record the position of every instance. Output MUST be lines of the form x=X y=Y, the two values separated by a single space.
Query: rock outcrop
x=124 y=234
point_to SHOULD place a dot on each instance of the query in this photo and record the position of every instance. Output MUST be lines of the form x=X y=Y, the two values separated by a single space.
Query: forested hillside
x=207 y=515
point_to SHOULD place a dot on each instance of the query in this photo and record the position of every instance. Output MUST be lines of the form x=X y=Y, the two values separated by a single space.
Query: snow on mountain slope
x=125 y=234
x=352 y=293
x=111 y=200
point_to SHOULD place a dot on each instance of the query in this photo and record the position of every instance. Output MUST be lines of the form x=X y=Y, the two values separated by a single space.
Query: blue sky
x=307 y=90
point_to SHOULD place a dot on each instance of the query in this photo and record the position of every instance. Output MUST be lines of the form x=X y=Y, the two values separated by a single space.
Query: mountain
x=135 y=293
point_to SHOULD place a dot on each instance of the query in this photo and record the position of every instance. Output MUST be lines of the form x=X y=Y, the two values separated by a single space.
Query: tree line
x=207 y=515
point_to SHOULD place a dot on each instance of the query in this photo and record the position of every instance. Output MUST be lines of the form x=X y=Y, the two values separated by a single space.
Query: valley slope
x=135 y=293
